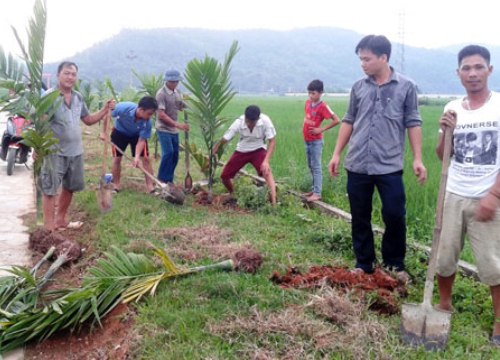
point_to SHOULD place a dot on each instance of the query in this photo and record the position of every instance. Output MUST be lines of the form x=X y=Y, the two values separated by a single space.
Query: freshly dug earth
x=387 y=288
x=218 y=201
x=111 y=341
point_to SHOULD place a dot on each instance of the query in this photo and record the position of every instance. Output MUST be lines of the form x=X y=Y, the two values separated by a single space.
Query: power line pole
x=401 y=39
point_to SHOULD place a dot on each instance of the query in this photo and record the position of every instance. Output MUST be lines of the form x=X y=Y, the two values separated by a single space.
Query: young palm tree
x=27 y=100
x=89 y=96
x=150 y=84
x=209 y=84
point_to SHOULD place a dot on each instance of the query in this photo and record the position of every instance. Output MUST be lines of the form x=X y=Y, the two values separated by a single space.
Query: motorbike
x=13 y=151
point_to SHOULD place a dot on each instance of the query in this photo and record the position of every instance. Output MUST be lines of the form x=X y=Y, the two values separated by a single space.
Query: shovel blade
x=188 y=182
x=424 y=325
x=105 y=197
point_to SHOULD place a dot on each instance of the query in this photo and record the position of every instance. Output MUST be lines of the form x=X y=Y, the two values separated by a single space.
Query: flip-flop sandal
x=73 y=225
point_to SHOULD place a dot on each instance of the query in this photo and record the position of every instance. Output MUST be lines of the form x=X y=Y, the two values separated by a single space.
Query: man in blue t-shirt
x=133 y=126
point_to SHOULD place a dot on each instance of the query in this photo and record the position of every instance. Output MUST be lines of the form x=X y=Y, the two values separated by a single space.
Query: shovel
x=188 y=181
x=104 y=194
x=423 y=324
x=171 y=194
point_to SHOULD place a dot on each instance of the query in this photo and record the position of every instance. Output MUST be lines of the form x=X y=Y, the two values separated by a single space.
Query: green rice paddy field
x=289 y=162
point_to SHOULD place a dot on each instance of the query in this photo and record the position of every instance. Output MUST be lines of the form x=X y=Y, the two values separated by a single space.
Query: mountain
x=268 y=61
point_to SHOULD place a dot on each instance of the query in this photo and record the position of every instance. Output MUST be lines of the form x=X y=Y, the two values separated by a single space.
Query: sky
x=74 y=25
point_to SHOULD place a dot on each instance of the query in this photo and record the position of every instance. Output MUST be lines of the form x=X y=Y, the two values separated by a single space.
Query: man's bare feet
x=313 y=197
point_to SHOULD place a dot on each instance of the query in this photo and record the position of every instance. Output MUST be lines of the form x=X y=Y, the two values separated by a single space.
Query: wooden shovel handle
x=448 y=139
x=105 y=126
x=186 y=137
x=431 y=270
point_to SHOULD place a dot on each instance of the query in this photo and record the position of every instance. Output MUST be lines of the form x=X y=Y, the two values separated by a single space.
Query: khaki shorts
x=458 y=220
x=65 y=170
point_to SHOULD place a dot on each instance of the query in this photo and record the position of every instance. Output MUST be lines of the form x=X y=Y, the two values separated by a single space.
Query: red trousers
x=237 y=161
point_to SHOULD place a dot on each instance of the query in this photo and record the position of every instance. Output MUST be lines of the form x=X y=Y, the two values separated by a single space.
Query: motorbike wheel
x=23 y=154
x=11 y=160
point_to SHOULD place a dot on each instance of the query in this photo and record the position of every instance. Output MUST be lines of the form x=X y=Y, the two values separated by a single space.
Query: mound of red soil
x=388 y=289
x=42 y=240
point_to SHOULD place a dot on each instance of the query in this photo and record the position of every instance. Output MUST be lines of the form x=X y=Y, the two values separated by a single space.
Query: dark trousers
x=360 y=188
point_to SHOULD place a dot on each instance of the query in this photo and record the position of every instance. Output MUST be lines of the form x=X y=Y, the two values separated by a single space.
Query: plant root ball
x=41 y=240
x=247 y=261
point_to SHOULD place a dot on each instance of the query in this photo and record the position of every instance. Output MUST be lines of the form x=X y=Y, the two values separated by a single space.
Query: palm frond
x=150 y=84
x=10 y=67
x=111 y=88
x=89 y=97
x=116 y=278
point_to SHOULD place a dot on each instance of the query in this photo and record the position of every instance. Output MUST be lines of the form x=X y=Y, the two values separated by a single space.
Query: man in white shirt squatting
x=254 y=129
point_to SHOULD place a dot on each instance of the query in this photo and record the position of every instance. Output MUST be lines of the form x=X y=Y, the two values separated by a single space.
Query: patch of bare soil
x=387 y=288
x=302 y=335
x=111 y=341
x=192 y=244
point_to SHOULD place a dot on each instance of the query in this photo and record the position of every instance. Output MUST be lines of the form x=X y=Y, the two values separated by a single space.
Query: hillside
x=268 y=61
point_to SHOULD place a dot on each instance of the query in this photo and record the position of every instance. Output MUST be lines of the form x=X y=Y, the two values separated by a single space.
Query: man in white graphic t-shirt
x=472 y=201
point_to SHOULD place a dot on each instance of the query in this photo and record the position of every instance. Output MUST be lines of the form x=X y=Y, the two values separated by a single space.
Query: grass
x=234 y=315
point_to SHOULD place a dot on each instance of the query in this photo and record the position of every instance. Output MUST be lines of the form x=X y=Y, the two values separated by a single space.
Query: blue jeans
x=360 y=188
x=314 y=150
x=169 y=155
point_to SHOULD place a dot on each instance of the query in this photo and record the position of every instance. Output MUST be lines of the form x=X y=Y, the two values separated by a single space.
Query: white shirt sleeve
x=233 y=130
x=270 y=131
